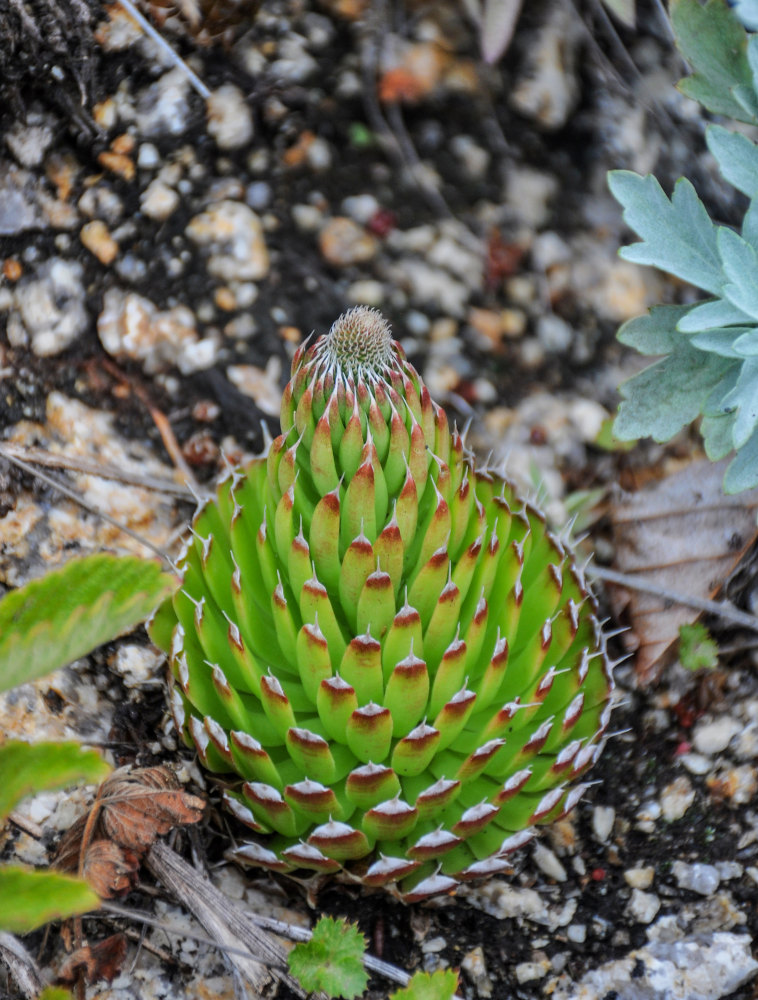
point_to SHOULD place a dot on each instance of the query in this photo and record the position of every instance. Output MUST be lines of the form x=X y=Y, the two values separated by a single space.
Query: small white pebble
x=148 y=156
x=639 y=878
x=676 y=798
x=577 y=933
x=696 y=763
x=643 y=906
x=230 y=121
x=603 y=818
x=546 y=861
x=729 y=870
x=433 y=945
x=361 y=208
x=527 y=972
x=700 y=878
x=713 y=737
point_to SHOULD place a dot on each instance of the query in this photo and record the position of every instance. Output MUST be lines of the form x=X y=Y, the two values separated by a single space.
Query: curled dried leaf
x=139 y=806
x=111 y=870
x=132 y=809
x=98 y=961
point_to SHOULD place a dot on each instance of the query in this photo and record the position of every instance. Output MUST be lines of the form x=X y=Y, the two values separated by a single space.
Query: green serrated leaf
x=736 y=156
x=67 y=613
x=32 y=898
x=440 y=985
x=713 y=41
x=746 y=344
x=332 y=960
x=742 y=472
x=697 y=650
x=28 y=768
x=721 y=342
x=744 y=399
x=740 y=264
x=711 y=314
x=677 y=235
x=717 y=435
x=668 y=395
x=655 y=333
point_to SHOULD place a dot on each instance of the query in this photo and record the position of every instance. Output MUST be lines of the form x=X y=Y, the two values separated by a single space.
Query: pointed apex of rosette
x=358 y=344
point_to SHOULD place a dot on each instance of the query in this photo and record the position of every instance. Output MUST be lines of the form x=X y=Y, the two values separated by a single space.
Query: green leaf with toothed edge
x=668 y=395
x=713 y=41
x=332 y=960
x=697 y=650
x=28 y=768
x=67 y=613
x=439 y=985
x=32 y=898
x=677 y=235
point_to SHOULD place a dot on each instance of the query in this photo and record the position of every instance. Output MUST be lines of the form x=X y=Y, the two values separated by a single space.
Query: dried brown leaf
x=110 y=870
x=132 y=809
x=98 y=961
x=139 y=806
x=69 y=851
x=683 y=534
x=208 y=21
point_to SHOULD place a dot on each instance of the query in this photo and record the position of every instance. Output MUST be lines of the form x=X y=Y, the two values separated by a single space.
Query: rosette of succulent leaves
x=709 y=367
x=393 y=663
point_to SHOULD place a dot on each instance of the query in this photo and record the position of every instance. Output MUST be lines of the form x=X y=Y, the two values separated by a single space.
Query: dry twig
x=258 y=957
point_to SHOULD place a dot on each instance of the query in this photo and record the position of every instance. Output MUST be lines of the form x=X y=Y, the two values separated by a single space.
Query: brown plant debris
x=131 y=810
x=682 y=534
x=95 y=961
x=208 y=21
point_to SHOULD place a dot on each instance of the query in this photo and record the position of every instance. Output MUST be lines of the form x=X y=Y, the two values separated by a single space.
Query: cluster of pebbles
x=344 y=159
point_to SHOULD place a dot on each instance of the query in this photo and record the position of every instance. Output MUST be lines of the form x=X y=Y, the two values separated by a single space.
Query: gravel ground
x=163 y=255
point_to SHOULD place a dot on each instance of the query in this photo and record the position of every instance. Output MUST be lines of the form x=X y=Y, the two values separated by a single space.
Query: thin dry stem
x=723 y=609
x=175 y=58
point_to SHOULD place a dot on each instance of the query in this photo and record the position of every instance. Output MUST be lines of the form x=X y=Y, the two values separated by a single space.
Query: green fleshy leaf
x=55 y=993
x=713 y=41
x=332 y=960
x=742 y=473
x=668 y=395
x=655 y=333
x=439 y=985
x=29 y=768
x=32 y=898
x=677 y=235
x=697 y=650
x=736 y=156
x=67 y=613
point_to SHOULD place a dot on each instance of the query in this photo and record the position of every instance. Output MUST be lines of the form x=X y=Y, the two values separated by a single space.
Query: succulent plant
x=394 y=659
